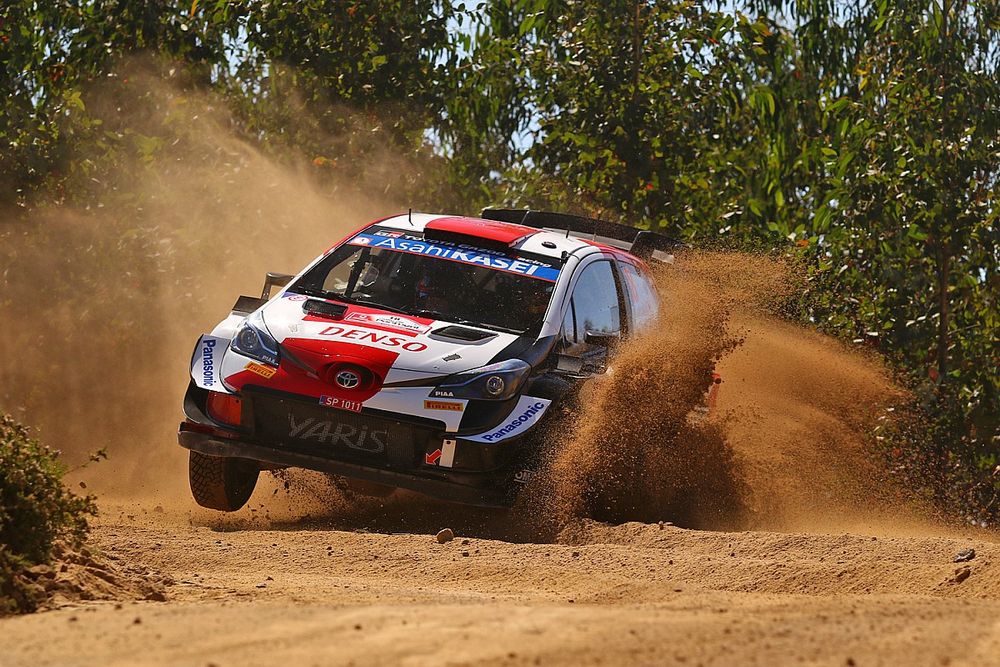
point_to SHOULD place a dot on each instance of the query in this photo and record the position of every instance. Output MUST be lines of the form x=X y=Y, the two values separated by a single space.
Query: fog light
x=224 y=408
x=495 y=385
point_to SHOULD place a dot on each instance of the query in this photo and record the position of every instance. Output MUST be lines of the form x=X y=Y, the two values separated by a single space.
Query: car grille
x=337 y=434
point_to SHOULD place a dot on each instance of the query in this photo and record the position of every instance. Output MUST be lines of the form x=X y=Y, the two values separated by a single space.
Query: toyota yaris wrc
x=423 y=352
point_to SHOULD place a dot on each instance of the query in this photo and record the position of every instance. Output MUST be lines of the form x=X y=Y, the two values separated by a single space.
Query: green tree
x=913 y=210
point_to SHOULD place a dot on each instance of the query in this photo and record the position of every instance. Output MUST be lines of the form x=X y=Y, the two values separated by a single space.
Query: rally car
x=422 y=352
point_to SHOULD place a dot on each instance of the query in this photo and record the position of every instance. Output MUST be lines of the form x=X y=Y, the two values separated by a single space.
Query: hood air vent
x=463 y=333
x=324 y=308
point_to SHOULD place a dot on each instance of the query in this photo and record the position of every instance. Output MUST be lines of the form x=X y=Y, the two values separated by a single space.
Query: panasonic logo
x=516 y=423
x=208 y=363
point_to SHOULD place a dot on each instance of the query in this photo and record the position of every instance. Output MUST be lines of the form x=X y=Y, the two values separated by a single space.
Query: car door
x=594 y=320
x=640 y=294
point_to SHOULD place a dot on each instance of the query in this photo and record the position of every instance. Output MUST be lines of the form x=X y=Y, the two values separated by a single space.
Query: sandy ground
x=310 y=594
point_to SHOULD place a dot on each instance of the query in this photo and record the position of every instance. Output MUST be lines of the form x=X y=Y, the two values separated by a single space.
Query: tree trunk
x=944 y=269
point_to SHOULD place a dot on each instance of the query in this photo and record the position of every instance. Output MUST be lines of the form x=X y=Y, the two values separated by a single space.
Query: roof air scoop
x=486 y=234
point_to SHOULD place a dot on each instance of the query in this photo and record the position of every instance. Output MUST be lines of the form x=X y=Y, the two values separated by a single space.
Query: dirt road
x=257 y=593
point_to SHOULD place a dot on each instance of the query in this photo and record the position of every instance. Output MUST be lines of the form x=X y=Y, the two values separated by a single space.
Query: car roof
x=545 y=242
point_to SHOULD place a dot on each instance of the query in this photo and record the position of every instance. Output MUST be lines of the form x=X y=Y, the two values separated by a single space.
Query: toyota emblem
x=348 y=379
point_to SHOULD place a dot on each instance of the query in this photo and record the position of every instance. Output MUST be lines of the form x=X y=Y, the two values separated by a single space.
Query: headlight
x=496 y=382
x=253 y=340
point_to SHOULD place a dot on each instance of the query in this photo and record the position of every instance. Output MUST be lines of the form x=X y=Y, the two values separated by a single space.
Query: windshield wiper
x=438 y=315
x=308 y=291
x=376 y=304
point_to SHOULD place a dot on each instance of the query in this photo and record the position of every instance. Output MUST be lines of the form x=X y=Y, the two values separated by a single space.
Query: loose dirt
x=311 y=594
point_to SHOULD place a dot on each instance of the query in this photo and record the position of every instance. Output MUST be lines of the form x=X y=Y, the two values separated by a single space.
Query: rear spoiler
x=640 y=242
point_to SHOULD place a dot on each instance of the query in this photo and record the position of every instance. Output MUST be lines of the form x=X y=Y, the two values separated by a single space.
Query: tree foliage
x=861 y=137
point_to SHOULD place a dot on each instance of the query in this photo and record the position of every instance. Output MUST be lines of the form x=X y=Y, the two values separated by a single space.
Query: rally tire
x=221 y=483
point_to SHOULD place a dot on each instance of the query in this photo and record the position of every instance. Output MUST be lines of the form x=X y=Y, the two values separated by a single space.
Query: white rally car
x=422 y=352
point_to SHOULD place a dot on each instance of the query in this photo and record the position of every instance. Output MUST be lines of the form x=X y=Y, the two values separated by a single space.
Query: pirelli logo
x=443 y=405
x=263 y=371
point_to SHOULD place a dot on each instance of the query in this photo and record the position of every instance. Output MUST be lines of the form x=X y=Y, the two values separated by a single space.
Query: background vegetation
x=36 y=510
x=862 y=138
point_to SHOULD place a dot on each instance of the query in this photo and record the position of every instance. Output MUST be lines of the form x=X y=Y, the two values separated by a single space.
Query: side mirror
x=272 y=280
x=568 y=364
x=247 y=304
x=603 y=338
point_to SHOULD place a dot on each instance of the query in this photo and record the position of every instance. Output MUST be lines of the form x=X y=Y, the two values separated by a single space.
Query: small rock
x=261 y=585
x=158 y=509
x=961 y=574
x=445 y=535
x=964 y=556
x=137 y=621
x=464 y=542
x=465 y=554
x=83 y=485
x=269 y=579
x=41 y=571
x=156 y=596
x=576 y=554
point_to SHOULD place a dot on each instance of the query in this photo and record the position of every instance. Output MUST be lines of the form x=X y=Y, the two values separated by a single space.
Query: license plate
x=340 y=403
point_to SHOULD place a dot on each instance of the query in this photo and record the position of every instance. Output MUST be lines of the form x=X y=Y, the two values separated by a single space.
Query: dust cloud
x=788 y=446
x=102 y=305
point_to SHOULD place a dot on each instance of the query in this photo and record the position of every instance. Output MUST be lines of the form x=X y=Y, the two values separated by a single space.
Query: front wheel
x=221 y=483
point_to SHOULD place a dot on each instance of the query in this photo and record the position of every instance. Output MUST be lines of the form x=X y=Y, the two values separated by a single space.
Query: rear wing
x=640 y=242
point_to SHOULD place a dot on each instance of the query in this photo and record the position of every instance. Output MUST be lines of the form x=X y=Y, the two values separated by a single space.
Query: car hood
x=400 y=348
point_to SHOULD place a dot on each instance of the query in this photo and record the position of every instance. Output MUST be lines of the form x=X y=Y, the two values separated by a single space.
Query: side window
x=642 y=293
x=568 y=333
x=595 y=300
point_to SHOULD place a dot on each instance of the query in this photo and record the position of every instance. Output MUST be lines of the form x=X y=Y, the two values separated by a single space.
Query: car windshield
x=435 y=280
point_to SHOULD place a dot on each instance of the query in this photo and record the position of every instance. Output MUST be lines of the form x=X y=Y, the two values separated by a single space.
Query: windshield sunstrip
x=454 y=253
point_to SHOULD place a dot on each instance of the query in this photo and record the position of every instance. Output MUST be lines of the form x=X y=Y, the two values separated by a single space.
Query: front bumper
x=281 y=430
x=480 y=490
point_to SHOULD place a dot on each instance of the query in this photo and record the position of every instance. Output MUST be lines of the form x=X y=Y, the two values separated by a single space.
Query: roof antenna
x=409 y=217
x=524 y=217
